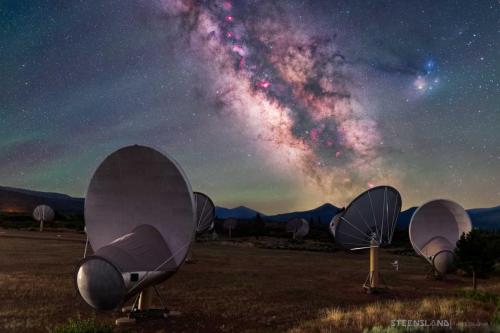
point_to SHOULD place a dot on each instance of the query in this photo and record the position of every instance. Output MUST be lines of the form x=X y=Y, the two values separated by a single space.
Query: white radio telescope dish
x=435 y=228
x=299 y=227
x=43 y=213
x=205 y=213
x=139 y=216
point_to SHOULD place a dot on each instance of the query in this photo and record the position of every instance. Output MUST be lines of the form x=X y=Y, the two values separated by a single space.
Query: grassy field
x=237 y=287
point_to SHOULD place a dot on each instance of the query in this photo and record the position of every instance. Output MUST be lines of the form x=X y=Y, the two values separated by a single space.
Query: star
x=325 y=105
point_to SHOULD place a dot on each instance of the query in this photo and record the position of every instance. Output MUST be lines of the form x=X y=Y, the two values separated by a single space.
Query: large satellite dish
x=43 y=213
x=139 y=216
x=370 y=216
x=435 y=228
x=298 y=227
x=368 y=223
x=205 y=213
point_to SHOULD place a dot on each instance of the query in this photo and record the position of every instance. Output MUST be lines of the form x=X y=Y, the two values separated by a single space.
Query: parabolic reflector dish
x=299 y=227
x=205 y=213
x=371 y=215
x=139 y=216
x=335 y=220
x=435 y=228
x=43 y=213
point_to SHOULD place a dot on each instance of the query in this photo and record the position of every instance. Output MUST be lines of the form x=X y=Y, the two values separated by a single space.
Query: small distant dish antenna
x=205 y=213
x=395 y=264
x=435 y=228
x=335 y=220
x=205 y=218
x=368 y=223
x=230 y=225
x=43 y=213
x=298 y=227
x=140 y=221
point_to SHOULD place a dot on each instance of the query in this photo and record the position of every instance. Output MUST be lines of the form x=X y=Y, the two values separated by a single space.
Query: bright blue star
x=430 y=65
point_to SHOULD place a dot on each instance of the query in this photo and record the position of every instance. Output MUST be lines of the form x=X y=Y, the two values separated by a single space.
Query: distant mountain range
x=484 y=218
x=15 y=200
x=320 y=215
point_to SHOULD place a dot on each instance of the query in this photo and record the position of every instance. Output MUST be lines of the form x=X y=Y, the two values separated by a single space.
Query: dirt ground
x=230 y=287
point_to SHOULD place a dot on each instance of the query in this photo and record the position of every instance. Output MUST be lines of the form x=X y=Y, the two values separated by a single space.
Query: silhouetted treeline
x=478 y=252
x=260 y=227
x=25 y=221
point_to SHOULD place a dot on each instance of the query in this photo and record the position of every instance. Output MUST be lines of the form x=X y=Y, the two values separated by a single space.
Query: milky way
x=294 y=90
x=277 y=105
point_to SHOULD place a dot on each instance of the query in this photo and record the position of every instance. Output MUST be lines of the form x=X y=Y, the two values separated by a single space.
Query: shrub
x=477 y=253
x=482 y=296
x=495 y=321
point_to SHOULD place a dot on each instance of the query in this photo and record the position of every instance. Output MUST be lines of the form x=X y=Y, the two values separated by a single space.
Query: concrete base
x=174 y=313
x=370 y=290
x=143 y=311
x=138 y=315
x=125 y=321
x=127 y=309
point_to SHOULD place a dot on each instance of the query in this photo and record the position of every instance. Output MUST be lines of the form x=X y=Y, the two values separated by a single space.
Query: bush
x=83 y=326
x=482 y=296
x=477 y=252
x=495 y=321
x=259 y=227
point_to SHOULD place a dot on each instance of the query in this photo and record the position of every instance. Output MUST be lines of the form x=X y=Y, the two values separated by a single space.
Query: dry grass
x=235 y=289
x=454 y=311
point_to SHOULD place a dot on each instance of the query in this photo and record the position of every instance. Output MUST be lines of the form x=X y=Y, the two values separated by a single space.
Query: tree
x=229 y=225
x=476 y=254
x=259 y=226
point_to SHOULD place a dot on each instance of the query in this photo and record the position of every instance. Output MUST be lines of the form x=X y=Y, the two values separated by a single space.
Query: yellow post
x=373 y=264
x=145 y=298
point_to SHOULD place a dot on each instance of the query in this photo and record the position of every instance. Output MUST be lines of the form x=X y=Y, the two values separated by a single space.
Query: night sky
x=276 y=105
